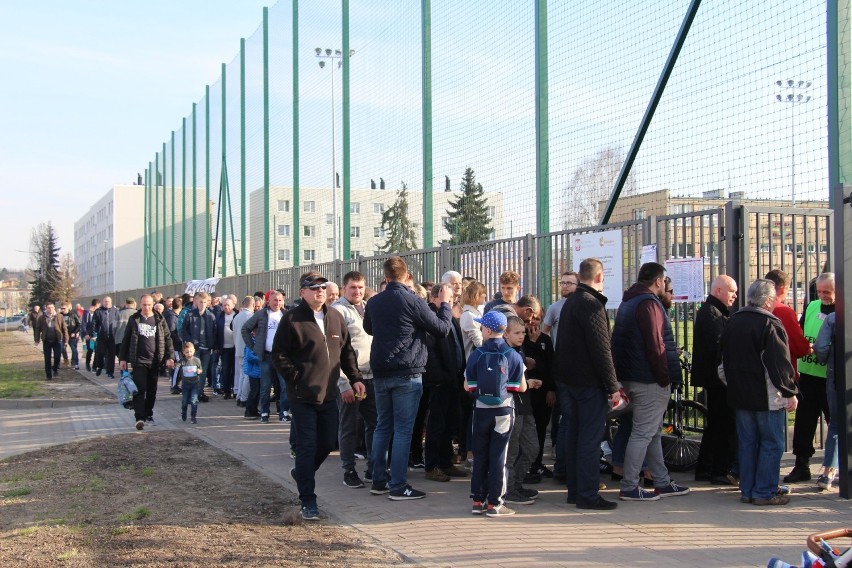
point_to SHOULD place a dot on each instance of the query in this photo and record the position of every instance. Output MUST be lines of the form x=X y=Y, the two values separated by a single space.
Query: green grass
x=118 y=531
x=138 y=514
x=147 y=472
x=27 y=531
x=93 y=457
x=19 y=492
x=16 y=380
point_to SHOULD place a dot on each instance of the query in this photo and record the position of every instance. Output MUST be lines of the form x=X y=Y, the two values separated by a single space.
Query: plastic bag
x=126 y=389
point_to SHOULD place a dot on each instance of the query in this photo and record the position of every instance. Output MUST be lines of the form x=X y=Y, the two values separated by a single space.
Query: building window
x=310 y=231
x=355 y=207
x=309 y=254
x=378 y=208
x=283 y=230
x=329 y=218
x=378 y=232
x=309 y=206
x=355 y=232
x=683 y=250
x=492 y=211
x=639 y=214
x=354 y=254
x=329 y=243
x=284 y=255
x=284 y=205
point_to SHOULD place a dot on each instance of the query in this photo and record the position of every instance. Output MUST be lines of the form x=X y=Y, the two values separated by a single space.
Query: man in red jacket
x=799 y=345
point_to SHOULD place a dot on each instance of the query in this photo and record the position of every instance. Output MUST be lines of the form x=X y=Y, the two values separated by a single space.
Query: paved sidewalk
x=709 y=527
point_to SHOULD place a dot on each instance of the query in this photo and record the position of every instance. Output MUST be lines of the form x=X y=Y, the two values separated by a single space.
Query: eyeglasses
x=316 y=287
x=568 y=283
x=670 y=291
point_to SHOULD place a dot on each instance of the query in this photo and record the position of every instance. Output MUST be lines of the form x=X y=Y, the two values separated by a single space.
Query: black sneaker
x=532 y=478
x=406 y=493
x=264 y=419
x=368 y=475
x=599 y=504
x=351 y=479
x=310 y=513
x=379 y=488
x=98 y=373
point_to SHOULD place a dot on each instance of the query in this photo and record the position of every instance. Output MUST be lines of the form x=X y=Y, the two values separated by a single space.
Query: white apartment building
x=109 y=240
x=316 y=222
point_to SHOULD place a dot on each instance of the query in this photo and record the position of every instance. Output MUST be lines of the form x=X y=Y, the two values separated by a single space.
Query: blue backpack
x=492 y=377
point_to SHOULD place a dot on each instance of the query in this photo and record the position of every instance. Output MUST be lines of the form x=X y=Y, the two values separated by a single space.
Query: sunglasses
x=316 y=287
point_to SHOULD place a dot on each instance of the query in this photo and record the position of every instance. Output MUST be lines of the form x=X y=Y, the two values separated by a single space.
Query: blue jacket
x=104 y=322
x=629 y=347
x=200 y=330
x=399 y=320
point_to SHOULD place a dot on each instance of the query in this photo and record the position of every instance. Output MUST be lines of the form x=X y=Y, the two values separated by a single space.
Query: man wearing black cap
x=310 y=350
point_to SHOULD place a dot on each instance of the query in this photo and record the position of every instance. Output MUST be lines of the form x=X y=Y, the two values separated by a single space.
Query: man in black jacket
x=104 y=327
x=717 y=456
x=444 y=376
x=585 y=379
x=397 y=319
x=310 y=349
x=146 y=346
x=757 y=369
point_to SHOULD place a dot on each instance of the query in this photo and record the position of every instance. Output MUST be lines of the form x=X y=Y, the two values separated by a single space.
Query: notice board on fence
x=608 y=248
x=687 y=276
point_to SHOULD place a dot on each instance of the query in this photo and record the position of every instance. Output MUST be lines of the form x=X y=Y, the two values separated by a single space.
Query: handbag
x=126 y=389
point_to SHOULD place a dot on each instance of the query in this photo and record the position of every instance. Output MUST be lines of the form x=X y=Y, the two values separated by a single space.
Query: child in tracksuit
x=493 y=371
x=523 y=443
x=189 y=372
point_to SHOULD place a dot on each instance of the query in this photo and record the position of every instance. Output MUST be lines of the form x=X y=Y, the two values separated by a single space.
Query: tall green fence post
x=243 y=261
x=157 y=260
x=174 y=274
x=266 y=207
x=426 y=103
x=542 y=153
x=183 y=246
x=194 y=250
x=297 y=204
x=347 y=193
x=207 y=212
x=222 y=183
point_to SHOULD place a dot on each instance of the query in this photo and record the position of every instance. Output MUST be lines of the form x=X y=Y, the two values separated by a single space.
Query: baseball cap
x=311 y=280
x=495 y=321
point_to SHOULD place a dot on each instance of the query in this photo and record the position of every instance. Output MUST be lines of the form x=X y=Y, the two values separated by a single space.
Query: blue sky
x=91 y=89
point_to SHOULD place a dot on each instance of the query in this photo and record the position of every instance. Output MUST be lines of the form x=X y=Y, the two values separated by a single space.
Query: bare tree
x=68 y=285
x=591 y=184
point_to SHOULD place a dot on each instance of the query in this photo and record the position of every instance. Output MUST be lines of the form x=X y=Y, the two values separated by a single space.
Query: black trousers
x=443 y=421
x=145 y=377
x=812 y=403
x=541 y=414
x=105 y=354
x=717 y=455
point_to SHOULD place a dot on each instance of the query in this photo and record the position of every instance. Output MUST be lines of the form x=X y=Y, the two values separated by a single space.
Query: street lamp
x=332 y=56
x=796 y=95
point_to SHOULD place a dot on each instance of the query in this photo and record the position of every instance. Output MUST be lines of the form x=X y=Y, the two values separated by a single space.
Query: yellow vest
x=814 y=319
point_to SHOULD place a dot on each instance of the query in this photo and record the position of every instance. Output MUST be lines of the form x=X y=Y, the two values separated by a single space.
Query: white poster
x=649 y=254
x=606 y=247
x=193 y=287
x=687 y=276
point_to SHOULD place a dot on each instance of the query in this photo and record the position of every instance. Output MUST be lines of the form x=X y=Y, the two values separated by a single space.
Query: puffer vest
x=628 y=345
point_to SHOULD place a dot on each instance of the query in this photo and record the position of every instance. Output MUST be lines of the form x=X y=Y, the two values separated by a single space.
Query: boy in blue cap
x=493 y=372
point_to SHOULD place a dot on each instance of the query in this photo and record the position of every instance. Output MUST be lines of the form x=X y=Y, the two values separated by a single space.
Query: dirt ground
x=159 y=499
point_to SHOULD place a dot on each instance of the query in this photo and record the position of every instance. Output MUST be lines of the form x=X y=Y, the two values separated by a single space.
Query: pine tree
x=396 y=225
x=44 y=255
x=468 y=220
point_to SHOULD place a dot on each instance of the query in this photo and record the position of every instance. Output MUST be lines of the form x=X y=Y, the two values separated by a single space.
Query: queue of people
x=377 y=373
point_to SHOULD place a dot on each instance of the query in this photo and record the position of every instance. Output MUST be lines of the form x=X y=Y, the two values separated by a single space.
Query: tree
x=468 y=221
x=591 y=184
x=44 y=257
x=396 y=225
x=67 y=286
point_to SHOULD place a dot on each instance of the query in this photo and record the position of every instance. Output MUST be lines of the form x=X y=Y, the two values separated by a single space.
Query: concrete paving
x=708 y=527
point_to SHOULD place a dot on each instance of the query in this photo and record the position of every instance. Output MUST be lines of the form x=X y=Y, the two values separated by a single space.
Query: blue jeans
x=830 y=457
x=397 y=399
x=190 y=393
x=492 y=429
x=268 y=373
x=761 y=445
x=312 y=436
x=583 y=419
x=649 y=402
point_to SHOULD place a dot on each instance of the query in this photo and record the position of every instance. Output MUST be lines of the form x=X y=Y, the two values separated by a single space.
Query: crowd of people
x=431 y=376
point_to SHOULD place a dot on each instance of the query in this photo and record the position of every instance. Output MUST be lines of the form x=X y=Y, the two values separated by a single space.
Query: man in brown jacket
x=51 y=332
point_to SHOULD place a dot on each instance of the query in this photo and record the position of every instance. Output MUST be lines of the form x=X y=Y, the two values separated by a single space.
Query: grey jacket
x=824 y=345
x=361 y=340
x=257 y=323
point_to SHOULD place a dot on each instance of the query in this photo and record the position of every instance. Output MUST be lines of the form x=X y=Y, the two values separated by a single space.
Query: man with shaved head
x=717 y=458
